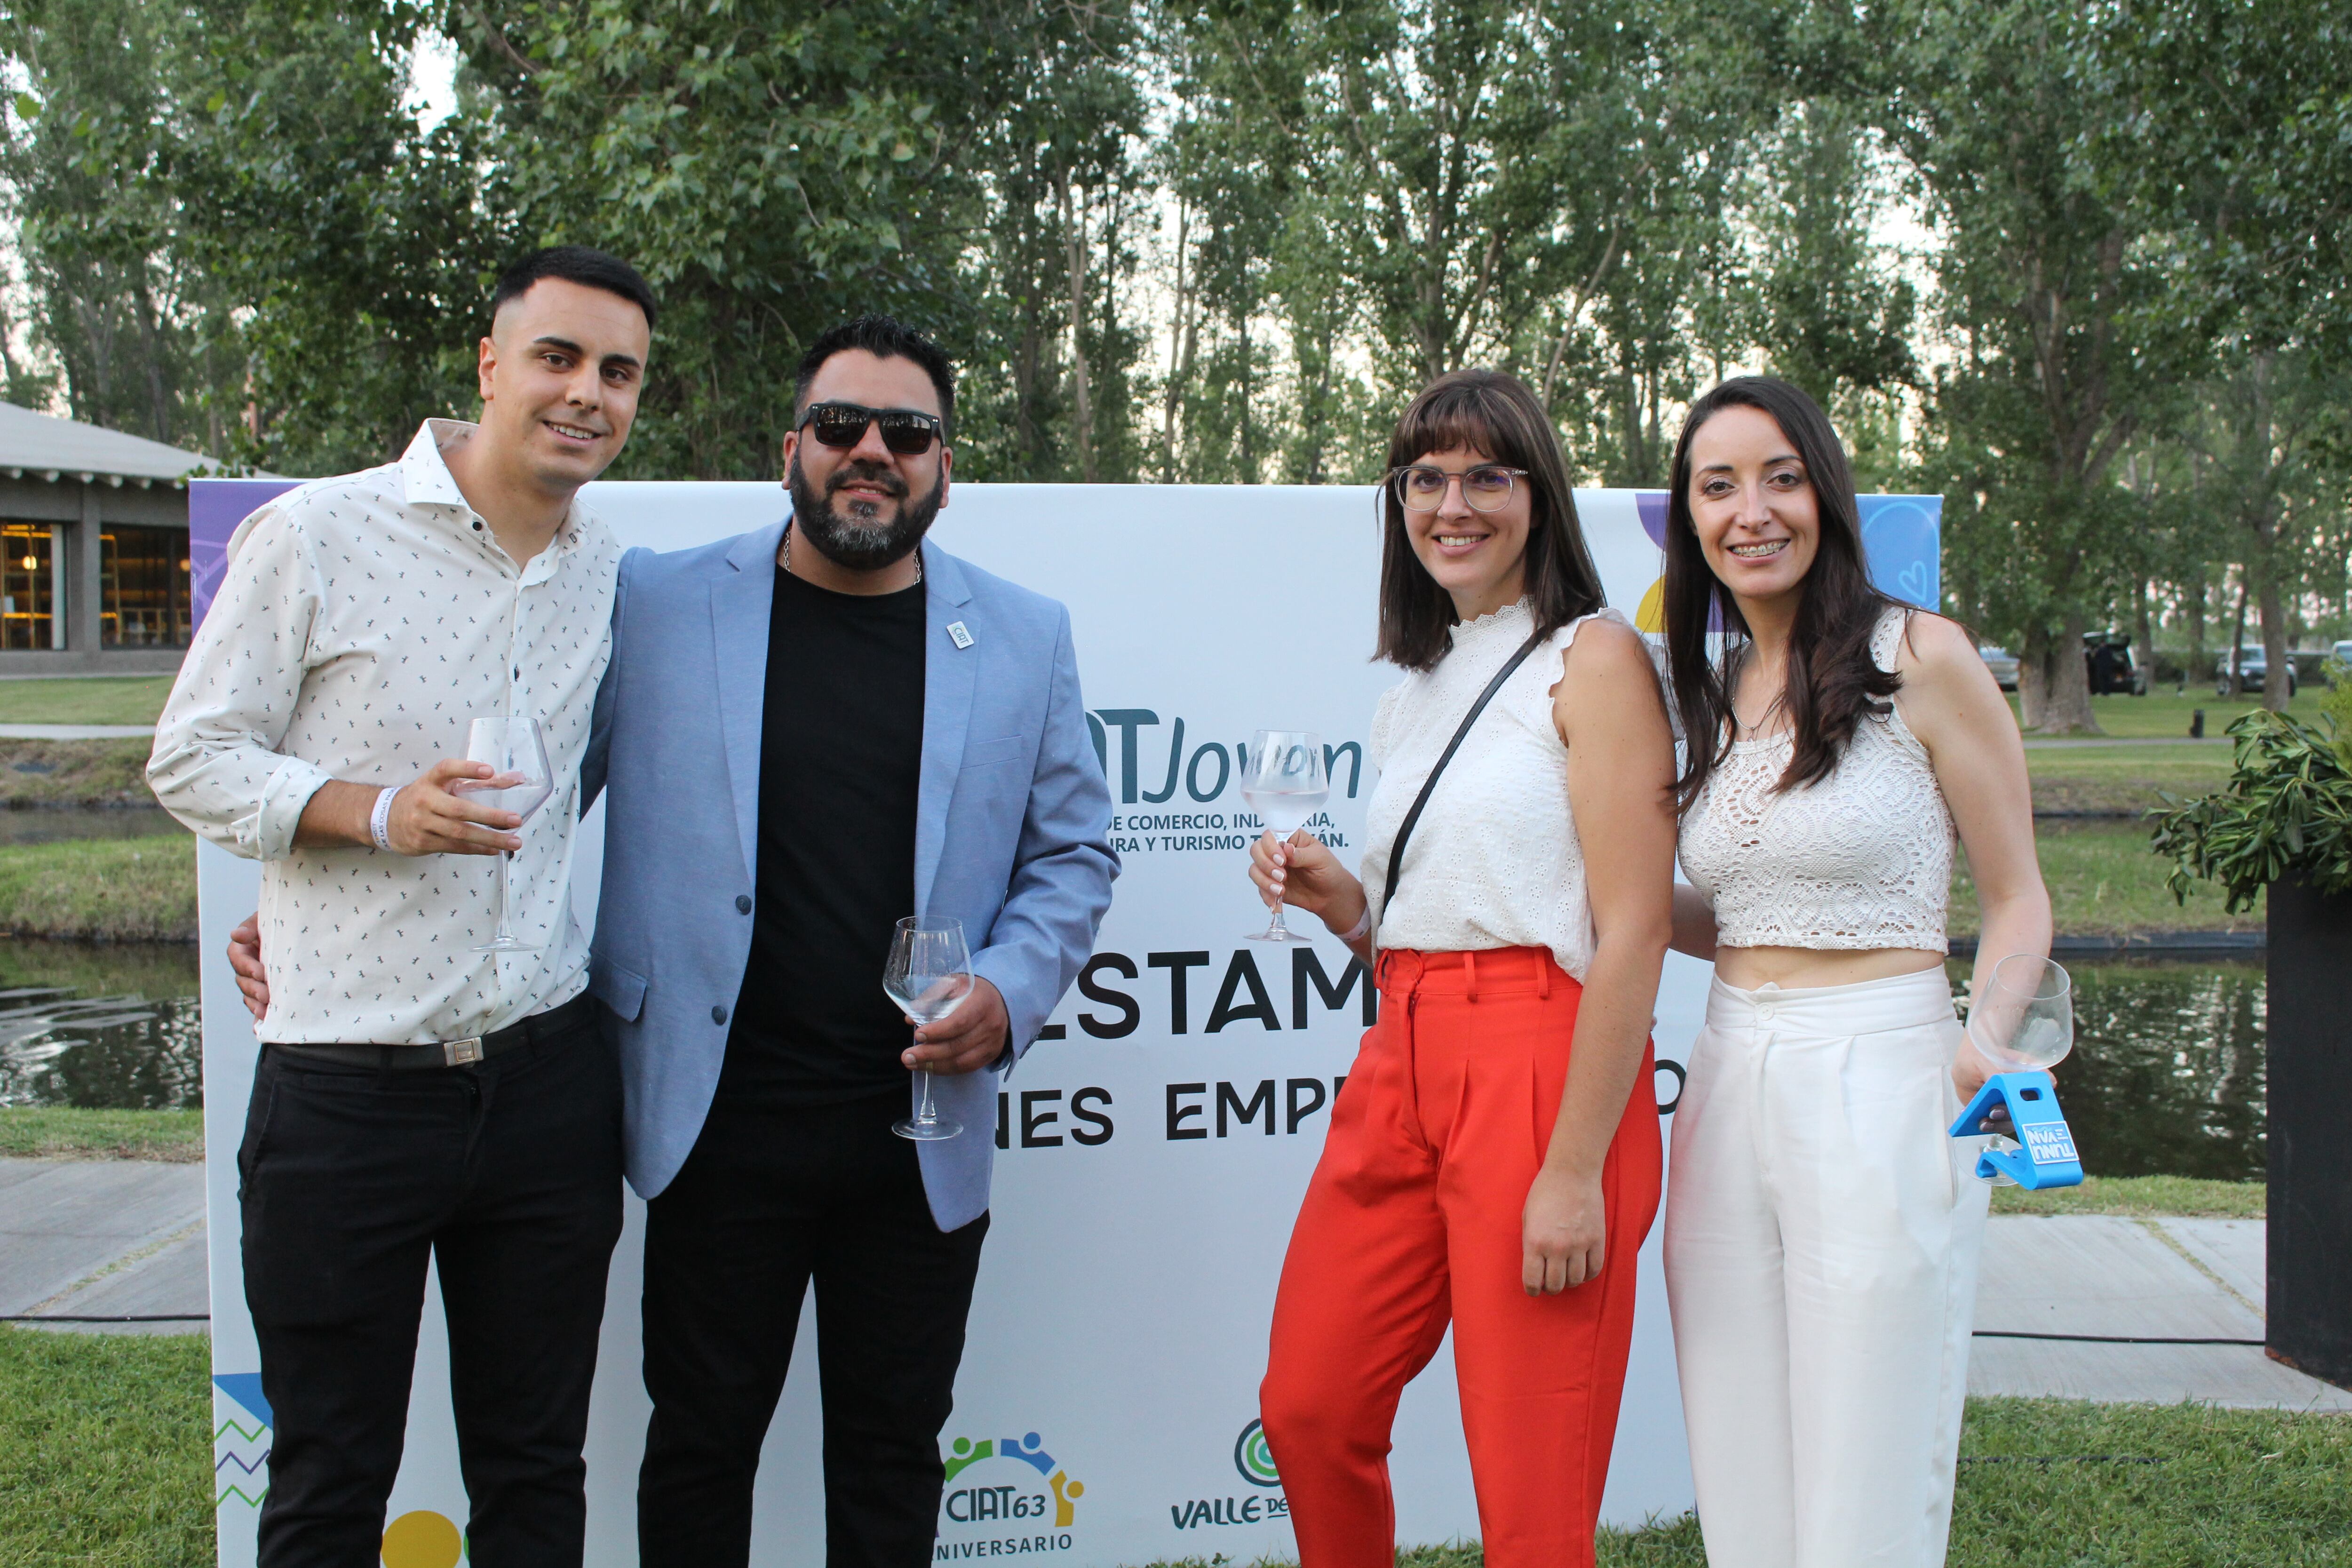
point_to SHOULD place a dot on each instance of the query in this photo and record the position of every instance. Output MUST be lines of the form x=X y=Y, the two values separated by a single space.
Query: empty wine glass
x=521 y=783
x=928 y=974
x=1284 y=780
x=2022 y=1021
x=2023 y=1016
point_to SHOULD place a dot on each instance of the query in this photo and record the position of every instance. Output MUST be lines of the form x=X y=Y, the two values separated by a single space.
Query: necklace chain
x=788 y=556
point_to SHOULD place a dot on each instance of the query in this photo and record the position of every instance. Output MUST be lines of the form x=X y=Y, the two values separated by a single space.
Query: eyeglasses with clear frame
x=1487 y=488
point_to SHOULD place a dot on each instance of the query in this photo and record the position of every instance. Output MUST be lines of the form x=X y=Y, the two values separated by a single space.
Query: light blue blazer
x=1012 y=829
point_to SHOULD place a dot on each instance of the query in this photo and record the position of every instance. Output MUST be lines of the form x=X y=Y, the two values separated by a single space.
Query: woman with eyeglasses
x=1821 y=1234
x=1493 y=1162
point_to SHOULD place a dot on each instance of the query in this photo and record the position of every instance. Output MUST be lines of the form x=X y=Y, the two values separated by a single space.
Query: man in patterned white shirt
x=418 y=1099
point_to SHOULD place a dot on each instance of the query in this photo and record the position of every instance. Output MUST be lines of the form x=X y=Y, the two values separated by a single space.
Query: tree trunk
x=1074 y=246
x=2275 y=645
x=2236 y=681
x=2192 y=605
x=1179 y=351
x=2053 y=685
x=2144 y=630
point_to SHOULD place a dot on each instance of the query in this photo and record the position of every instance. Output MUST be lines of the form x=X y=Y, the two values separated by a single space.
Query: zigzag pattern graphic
x=259 y=1460
x=239 y=1492
x=230 y=1426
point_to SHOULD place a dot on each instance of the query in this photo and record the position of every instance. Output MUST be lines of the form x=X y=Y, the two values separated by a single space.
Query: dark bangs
x=1497 y=414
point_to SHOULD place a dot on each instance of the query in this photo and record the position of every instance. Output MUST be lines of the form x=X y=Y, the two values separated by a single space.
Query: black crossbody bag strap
x=1404 y=833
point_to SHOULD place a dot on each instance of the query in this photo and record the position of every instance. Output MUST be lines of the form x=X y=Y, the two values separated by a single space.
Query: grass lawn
x=119 y=890
x=2138 y=1197
x=73 y=772
x=2102 y=878
x=2122 y=779
x=85 y=700
x=48 y=1131
x=2161 y=713
x=105 y=1449
x=105 y=1445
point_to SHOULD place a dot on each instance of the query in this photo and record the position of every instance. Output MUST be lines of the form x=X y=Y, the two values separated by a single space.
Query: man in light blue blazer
x=807 y=733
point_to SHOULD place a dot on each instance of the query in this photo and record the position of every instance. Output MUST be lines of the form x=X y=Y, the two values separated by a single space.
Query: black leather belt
x=538 y=1029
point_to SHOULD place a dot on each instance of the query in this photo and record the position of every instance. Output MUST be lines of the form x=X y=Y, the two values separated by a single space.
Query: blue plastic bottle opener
x=2044 y=1154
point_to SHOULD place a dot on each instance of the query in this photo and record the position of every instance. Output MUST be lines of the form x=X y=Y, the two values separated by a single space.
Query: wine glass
x=2022 y=1021
x=521 y=783
x=928 y=974
x=2023 y=1016
x=1284 y=782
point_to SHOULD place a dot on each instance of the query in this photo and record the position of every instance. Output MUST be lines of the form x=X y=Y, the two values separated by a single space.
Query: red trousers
x=1412 y=1221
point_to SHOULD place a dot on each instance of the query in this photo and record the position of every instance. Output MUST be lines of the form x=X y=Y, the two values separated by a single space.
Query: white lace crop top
x=1494 y=862
x=1860 y=860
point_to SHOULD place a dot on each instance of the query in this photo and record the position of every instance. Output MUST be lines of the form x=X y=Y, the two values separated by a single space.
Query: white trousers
x=1820 y=1250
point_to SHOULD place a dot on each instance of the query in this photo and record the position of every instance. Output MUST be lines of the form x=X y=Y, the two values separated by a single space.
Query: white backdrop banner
x=1155 y=1143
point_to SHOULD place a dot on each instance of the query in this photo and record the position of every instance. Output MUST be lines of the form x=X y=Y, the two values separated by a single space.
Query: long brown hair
x=1832 y=679
x=1499 y=416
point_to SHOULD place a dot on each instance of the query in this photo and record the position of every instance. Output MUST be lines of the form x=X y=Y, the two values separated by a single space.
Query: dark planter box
x=2310 y=1062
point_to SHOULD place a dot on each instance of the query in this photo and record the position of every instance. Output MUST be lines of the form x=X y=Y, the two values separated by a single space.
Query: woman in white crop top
x=1493 y=1162
x=1821 y=1235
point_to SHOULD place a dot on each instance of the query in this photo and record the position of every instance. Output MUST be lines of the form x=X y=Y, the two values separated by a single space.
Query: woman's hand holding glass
x=1302 y=871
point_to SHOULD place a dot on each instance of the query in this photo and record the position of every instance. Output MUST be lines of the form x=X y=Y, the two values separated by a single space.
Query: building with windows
x=94 y=548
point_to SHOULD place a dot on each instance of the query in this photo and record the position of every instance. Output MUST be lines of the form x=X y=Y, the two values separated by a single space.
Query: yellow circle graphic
x=422 y=1540
x=1651 y=615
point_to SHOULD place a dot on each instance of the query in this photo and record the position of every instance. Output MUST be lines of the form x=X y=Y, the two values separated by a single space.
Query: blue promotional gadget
x=2042 y=1154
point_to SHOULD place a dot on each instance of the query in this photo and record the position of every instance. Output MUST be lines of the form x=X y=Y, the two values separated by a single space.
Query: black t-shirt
x=841 y=755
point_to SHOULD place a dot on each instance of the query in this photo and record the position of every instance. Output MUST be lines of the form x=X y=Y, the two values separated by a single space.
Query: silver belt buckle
x=457 y=1053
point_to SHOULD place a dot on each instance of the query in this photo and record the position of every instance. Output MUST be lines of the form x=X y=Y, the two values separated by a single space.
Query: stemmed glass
x=518 y=757
x=928 y=974
x=1283 y=780
x=2022 y=1021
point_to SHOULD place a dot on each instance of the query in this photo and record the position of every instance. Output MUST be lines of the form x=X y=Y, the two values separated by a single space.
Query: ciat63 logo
x=1006 y=1496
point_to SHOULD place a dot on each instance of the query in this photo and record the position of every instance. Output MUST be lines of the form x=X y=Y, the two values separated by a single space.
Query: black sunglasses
x=906 y=431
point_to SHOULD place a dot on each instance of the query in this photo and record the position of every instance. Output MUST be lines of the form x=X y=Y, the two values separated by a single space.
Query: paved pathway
x=114 y=1238
x=2126 y=1279
x=111 y=1238
x=76 y=731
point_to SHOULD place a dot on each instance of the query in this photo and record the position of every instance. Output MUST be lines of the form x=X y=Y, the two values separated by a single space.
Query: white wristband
x=1363 y=925
x=380 y=819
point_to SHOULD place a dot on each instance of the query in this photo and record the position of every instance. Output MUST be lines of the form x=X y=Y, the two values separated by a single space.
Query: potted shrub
x=2284 y=822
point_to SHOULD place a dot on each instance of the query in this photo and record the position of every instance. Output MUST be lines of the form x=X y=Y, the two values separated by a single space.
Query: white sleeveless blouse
x=1859 y=861
x=1494 y=861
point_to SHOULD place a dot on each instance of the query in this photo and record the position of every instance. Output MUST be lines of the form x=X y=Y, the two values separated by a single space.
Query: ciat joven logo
x=1006 y=1496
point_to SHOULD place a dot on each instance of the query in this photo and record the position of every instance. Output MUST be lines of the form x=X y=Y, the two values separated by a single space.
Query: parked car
x=2002 y=663
x=2254 y=672
x=2113 y=666
x=2341 y=653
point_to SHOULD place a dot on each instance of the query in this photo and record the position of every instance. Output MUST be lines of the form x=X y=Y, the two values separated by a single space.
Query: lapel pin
x=960 y=633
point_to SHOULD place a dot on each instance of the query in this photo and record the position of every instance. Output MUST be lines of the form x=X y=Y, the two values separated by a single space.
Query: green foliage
x=49 y=1131
x=2137 y=1198
x=115 y=890
x=105 y=1449
x=2286 y=811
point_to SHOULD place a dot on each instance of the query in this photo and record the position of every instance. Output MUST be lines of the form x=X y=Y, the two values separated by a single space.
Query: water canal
x=2166 y=1078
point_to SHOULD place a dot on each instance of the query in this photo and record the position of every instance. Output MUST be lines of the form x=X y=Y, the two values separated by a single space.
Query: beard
x=860 y=542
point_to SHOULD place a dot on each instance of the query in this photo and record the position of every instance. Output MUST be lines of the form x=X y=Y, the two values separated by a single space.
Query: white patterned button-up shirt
x=361 y=624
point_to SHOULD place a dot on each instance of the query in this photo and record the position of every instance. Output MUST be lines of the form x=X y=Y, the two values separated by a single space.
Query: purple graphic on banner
x=215 y=508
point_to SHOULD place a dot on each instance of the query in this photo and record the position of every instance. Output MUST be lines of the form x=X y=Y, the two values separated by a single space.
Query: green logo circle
x=1254 y=1460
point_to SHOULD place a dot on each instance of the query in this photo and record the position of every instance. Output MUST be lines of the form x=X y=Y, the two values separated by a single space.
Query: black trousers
x=769 y=1201
x=506 y=1174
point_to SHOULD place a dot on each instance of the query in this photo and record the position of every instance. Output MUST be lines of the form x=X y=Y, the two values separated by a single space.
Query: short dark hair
x=576 y=264
x=887 y=338
x=1832 y=680
x=1500 y=415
